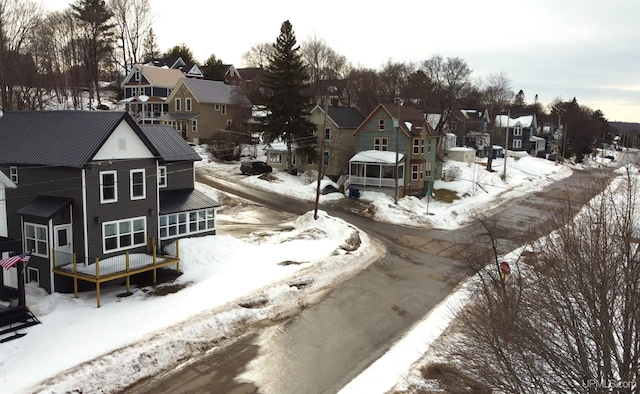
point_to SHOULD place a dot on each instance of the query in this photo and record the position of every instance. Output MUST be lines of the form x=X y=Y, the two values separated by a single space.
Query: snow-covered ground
x=81 y=348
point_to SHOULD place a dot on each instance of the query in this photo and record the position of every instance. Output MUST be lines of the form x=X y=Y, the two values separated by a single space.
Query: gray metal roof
x=216 y=92
x=169 y=144
x=58 y=138
x=346 y=117
x=184 y=200
x=45 y=206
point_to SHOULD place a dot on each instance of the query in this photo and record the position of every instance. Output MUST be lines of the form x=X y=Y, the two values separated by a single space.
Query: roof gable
x=59 y=138
x=343 y=117
x=155 y=76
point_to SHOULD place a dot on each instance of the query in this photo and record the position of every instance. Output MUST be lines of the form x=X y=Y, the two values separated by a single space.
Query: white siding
x=123 y=143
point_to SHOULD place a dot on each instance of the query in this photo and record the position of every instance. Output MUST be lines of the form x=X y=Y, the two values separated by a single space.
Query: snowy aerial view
x=257 y=201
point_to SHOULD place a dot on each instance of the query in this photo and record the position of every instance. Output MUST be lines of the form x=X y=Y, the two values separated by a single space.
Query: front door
x=63 y=244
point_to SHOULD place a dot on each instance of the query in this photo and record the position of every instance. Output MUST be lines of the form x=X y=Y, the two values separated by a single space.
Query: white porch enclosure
x=376 y=168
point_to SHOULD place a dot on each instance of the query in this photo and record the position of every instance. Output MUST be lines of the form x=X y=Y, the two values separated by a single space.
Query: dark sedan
x=254 y=167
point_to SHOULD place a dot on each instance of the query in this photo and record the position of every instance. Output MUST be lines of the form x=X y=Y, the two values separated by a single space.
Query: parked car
x=254 y=167
x=552 y=157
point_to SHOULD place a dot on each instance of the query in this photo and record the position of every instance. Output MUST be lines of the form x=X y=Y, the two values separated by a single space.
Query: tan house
x=146 y=89
x=201 y=109
x=338 y=136
x=338 y=139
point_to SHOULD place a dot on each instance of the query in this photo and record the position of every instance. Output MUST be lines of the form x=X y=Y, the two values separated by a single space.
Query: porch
x=113 y=268
x=376 y=169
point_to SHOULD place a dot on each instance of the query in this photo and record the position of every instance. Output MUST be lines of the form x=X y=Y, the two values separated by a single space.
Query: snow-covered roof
x=504 y=120
x=433 y=120
x=376 y=156
x=461 y=149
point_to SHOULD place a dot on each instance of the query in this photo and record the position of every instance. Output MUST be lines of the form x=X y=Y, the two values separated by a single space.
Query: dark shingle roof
x=169 y=144
x=183 y=200
x=346 y=117
x=58 y=138
x=45 y=206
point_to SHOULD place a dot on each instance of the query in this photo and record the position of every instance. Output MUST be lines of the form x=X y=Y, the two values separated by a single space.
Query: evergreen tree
x=98 y=37
x=150 y=47
x=213 y=69
x=182 y=51
x=286 y=78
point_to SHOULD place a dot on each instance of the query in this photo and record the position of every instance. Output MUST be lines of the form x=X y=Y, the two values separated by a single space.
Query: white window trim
x=381 y=125
x=327 y=134
x=275 y=157
x=31 y=270
x=187 y=104
x=517 y=130
x=217 y=107
x=13 y=174
x=144 y=184
x=118 y=235
x=416 y=146
x=178 y=104
x=115 y=187
x=187 y=224
x=36 y=239
x=162 y=176
x=194 y=125
x=517 y=144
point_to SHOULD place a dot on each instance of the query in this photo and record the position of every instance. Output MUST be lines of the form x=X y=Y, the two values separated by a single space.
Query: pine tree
x=286 y=78
x=150 y=46
x=98 y=36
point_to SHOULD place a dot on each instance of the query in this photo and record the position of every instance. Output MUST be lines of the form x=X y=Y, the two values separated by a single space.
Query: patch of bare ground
x=267 y=176
x=445 y=195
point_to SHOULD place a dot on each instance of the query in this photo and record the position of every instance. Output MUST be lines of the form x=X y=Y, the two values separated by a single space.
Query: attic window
x=122 y=144
x=136 y=75
x=381 y=125
x=13 y=174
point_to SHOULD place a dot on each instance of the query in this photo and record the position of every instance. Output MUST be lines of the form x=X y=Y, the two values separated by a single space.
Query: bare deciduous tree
x=567 y=320
x=258 y=55
x=18 y=19
x=448 y=79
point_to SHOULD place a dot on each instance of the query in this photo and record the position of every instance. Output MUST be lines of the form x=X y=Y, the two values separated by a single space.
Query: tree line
x=53 y=59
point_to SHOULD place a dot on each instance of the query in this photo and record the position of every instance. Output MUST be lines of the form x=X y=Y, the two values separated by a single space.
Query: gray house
x=92 y=186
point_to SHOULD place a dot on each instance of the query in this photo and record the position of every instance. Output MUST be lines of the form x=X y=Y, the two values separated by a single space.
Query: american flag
x=13 y=260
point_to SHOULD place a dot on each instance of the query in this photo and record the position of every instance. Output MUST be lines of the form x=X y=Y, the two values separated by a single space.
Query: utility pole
x=321 y=159
x=506 y=146
x=397 y=125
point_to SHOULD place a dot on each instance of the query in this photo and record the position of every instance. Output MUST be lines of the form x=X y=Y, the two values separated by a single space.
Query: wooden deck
x=113 y=268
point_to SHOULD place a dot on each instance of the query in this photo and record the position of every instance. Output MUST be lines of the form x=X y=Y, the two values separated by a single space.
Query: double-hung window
x=517 y=144
x=187 y=104
x=416 y=146
x=427 y=169
x=162 y=176
x=36 y=240
x=137 y=184
x=124 y=234
x=517 y=130
x=415 y=170
x=381 y=125
x=13 y=174
x=178 y=104
x=327 y=134
x=108 y=187
x=381 y=143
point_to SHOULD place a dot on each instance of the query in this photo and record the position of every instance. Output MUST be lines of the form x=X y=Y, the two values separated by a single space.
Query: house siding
x=179 y=176
x=341 y=146
x=49 y=181
x=122 y=209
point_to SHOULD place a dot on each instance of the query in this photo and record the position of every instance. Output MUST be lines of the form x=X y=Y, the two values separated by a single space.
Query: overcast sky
x=588 y=49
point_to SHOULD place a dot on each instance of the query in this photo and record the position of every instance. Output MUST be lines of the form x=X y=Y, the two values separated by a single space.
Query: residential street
x=327 y=345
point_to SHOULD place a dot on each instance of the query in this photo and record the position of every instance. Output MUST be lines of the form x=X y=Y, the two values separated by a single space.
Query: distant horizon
x=552 y=49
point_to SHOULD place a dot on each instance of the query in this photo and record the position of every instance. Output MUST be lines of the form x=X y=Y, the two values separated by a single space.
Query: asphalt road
x=328 y=344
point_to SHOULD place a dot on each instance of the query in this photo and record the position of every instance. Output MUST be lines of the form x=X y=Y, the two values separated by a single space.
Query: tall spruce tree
x=98 y=37
x=286 y=78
